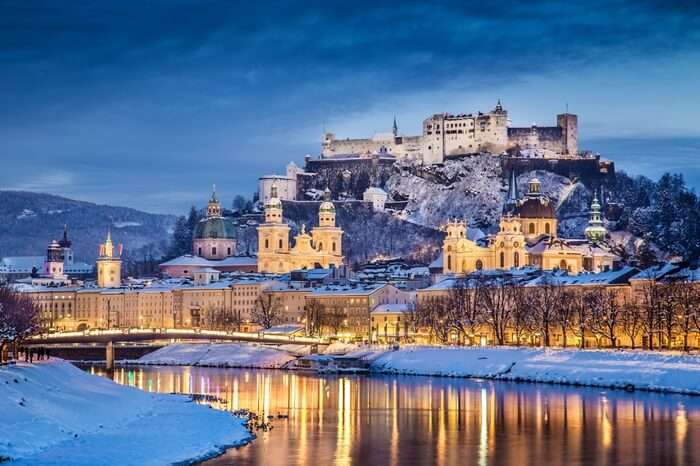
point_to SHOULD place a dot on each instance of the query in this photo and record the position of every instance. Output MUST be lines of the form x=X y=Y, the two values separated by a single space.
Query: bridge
x=109 y=337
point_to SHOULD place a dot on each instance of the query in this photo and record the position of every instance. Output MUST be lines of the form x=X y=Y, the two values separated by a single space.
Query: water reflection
x=402 y=421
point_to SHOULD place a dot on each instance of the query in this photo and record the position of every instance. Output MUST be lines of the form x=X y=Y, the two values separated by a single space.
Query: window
x=531 y=229
x=213 y=250
x=334 y=246
x=199 y=251
x=449 y=262
x=267 y=244
x=546 y=228
x=228 y=251
x=503 y=259
x=280 y=243
x=562 y=265
x=516 y=259
x=479 y=265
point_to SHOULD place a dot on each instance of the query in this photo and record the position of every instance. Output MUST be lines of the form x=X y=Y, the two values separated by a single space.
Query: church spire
x=512 y=199
x=395 y=128
x=595 y=231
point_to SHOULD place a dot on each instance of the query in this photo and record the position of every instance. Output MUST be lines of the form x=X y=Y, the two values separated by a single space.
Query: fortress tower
x=568 y=123
x=109 y=264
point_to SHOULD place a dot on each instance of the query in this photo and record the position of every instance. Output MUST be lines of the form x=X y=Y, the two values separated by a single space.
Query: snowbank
x=55 y=414
x=667 y=372
x=218 y=355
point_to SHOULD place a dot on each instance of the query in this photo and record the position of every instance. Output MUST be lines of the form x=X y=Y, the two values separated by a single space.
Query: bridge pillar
x=109 y=355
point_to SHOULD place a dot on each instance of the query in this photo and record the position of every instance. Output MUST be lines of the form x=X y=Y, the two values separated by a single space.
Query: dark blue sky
x=147 y=103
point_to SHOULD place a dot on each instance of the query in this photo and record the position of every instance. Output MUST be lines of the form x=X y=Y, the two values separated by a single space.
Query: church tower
x=595 y=231
x=53 y=268
x=109 y=264
x=327 y=237
x=273 y=237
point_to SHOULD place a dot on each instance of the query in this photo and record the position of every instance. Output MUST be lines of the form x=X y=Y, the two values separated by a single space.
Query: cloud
x=167 y=94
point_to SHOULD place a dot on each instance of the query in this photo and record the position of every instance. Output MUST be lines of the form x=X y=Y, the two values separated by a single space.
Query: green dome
x=215 y=228
x=327 y=206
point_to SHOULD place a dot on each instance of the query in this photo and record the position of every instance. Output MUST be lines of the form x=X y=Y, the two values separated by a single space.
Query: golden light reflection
x=359 y=421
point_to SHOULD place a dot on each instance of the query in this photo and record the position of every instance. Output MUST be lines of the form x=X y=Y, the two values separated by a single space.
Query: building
x=392 y=143
x=18 y=267
x=286 y=185
x=527 y=236
x=320 y=249
x=214 y=236
x=375 y=196
x=446 y=135
x=213 y=247
x=109 y=264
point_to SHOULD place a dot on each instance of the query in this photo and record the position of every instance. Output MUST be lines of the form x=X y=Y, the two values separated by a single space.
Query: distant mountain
x=28 y=221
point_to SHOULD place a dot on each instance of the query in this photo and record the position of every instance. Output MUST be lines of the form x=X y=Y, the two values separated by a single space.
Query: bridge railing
x=180 y=333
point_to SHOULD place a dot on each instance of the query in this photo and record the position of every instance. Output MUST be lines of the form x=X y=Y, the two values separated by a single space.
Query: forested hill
x=28 y=221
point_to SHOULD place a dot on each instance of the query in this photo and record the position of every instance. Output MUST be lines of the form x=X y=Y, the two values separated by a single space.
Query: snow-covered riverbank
x=52 y=413
x=641 y=370
x=218 y=355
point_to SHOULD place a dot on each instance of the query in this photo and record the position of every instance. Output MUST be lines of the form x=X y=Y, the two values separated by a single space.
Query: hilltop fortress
x=446 y=135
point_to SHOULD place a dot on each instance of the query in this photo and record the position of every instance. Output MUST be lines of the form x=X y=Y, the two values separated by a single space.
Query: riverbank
x=640 y=370
x=232 y=355
x=55 y=414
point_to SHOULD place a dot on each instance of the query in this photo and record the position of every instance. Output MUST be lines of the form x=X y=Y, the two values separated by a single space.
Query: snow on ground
x=55 y=414
x=656 y=371
x=338 y=347
x=218 y=355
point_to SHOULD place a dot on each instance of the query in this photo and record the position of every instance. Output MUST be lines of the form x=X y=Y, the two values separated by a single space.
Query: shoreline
x=628 y=370
x=79 y=419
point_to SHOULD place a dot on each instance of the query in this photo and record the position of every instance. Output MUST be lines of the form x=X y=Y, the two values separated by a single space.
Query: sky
x=146 y=104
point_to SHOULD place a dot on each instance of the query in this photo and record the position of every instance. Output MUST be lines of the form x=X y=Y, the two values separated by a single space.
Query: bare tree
x=267 y=311
x=433 y=314
x=412 y=319
x=605 y=315
x=686 y=296
x=497 y=298
x=650 y=304
x=19 y=318
x=465 y=312
x=580 y=302
x=521 y=319
x=333 y=317
x=631 y=321
x=223 y=319
x=545 y=299
x=565 y=313
x=314 y=311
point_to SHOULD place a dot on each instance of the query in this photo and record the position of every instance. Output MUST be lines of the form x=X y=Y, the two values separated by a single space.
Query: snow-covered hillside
x=52 y=413
x=474 y=189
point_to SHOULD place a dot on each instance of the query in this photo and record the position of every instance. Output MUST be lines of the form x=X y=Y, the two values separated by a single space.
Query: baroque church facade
x=527 y=237
x=322 y=247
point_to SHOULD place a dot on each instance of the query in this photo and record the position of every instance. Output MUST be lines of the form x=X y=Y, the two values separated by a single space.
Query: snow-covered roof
x=394 y=308
x=612 y=277
x=437 y=263
x=196 y=261
x=348 y=290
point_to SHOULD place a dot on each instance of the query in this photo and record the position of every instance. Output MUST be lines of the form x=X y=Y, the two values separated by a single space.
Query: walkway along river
x=404 y=420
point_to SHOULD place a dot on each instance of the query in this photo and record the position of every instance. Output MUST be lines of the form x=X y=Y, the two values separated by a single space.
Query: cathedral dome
x=215 y=228
x=535 y=207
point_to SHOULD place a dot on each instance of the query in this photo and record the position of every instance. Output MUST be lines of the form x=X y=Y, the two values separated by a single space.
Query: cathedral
x=527 y=236
x=322 y=247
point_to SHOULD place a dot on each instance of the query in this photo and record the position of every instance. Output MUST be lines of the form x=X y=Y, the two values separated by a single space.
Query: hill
x=28 y=221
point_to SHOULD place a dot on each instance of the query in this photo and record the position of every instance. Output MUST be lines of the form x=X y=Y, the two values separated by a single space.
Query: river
x=404 y=420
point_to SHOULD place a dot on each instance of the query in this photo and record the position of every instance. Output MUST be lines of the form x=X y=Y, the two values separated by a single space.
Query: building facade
x=527 y=236
x=109 y=264
x=322 y=248
x=446 y=134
